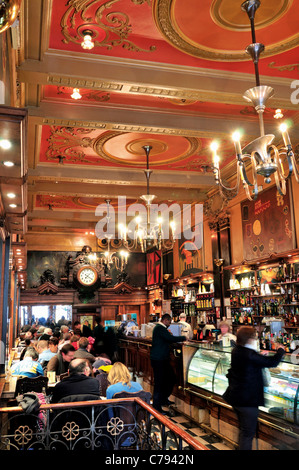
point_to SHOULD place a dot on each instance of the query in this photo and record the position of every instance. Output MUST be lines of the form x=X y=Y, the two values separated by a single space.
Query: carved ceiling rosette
x=109 y=28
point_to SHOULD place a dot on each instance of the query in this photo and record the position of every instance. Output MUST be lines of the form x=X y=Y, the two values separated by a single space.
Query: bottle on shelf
x=286 y=276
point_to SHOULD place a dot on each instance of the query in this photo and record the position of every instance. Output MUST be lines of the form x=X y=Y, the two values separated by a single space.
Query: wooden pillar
x=221 y=252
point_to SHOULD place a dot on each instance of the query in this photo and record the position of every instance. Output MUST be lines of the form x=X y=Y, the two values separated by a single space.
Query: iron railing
x=126 y=423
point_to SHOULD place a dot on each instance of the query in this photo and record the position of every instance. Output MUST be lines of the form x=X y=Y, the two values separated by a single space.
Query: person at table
x=101 y=368
x=78 y=382
x=119 y=379
x=83 y=350
x=61 y=361
x=46 y=334
x=25 y=345
x=44 y=352
x=29 y=366
x=164 y=375
x=53 y=344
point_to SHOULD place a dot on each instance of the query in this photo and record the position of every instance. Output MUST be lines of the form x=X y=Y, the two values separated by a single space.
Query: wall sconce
x=87 y=42
x=76 y=94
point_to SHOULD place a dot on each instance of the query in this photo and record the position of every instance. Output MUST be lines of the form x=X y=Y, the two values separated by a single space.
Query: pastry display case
x=206 y=366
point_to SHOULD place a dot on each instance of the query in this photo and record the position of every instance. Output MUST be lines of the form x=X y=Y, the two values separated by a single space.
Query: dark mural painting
x=56 y=261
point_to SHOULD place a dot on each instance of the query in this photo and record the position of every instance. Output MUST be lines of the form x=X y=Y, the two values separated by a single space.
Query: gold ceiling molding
x=110 y=28
x=131 y=128
x=93 y=95
x=228 y=16
x=83 y=83
x=73 y=123
x=135 y=147
x=164 y=16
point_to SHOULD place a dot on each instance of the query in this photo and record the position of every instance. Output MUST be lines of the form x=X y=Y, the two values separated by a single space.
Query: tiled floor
x=211 y=441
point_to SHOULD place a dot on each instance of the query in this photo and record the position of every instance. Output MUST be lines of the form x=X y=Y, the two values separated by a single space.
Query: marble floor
x=210 y=440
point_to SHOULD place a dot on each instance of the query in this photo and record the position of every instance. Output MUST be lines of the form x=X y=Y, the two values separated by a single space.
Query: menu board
x=267 y=225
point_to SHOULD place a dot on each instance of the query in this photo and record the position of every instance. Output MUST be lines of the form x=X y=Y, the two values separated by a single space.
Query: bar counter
x=206 y=407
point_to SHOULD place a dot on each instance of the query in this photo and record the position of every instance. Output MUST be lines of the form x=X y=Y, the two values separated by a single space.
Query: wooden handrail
x=186 y=437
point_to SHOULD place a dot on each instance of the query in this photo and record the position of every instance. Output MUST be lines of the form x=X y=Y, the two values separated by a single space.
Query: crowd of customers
x=84 y=361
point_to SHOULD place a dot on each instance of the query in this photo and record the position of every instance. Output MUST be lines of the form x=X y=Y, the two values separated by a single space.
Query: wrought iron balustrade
x=116 y=424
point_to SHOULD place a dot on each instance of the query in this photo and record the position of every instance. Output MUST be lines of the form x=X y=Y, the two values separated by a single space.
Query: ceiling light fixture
x=8 y=163
x=278 y=114
x=76 y=94
x=13 y=206
x=150 y=233
x=5 y=144
x=11 y=195
x=87 y=42
x=109 y=258
x=265 y=158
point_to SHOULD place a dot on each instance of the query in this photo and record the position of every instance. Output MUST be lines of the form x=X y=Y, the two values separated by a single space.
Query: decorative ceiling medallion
x=100 y=147
x=226 y=14
x=164 y=12
x=136 y=146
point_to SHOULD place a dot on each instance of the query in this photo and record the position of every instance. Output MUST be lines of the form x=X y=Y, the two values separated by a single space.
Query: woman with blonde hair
x=120 y=381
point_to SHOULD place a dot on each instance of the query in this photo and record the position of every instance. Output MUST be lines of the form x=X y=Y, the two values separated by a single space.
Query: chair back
x=31 y=384
x=79 y=397
x=131 y=414
x=145 y=396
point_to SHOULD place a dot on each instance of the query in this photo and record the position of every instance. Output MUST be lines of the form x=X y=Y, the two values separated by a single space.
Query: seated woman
x=120 y=381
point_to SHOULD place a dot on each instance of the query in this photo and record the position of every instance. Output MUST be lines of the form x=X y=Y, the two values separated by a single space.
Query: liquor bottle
x=292 y=272
x=264 y=308
x=286 y=273
x=279 y=275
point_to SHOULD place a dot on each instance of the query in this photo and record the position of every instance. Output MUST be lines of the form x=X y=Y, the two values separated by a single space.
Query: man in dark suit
x=77 y=382
x=164 y=375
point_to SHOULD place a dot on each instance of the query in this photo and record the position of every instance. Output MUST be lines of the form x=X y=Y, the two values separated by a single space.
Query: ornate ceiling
x=160 y=74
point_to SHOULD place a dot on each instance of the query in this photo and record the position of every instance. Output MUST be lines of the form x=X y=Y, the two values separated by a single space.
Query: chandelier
x=152 y=232
x=109 y=258
x=265 y=158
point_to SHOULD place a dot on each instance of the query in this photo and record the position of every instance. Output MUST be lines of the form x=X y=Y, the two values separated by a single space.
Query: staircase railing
x=126 y=423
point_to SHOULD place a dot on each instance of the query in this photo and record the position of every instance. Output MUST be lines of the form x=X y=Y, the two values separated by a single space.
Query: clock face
x=87 y=276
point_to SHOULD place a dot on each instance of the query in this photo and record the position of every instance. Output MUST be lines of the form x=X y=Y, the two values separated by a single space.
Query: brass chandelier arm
x=265 y=157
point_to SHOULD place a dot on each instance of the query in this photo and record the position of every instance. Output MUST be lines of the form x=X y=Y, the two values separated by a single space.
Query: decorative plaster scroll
x=110 y=28
x=281 y=68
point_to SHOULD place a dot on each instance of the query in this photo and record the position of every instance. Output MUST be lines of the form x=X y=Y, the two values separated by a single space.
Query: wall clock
x=87 y=275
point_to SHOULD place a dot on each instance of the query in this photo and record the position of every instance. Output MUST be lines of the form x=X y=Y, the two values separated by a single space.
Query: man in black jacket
x=77 y=382
x=164 y=375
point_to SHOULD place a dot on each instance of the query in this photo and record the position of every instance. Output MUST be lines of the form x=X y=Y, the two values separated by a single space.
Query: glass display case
x=206 y=366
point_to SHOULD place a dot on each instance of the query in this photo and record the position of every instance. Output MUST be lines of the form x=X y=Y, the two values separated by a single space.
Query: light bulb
x=87 y=42
x=5 y=144
x=76 y=94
